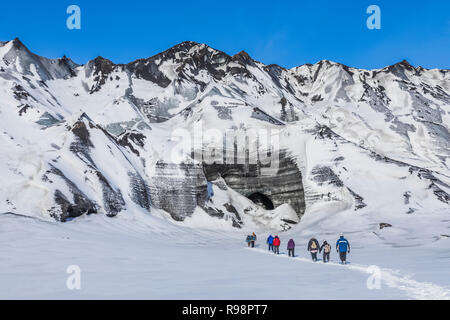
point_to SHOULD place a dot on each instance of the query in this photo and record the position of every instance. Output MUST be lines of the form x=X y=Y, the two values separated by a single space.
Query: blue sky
x=288 y=33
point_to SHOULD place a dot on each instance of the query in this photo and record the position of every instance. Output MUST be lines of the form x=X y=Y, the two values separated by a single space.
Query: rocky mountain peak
x=242 y=57
x=17 y=43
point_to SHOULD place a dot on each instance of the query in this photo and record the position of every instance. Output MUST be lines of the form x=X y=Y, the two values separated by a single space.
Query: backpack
x=249 y=238
x=327 y=248
x=313 y=245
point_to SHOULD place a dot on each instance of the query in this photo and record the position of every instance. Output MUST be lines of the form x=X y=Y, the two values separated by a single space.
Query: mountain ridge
x=187 y=43
x=99 y=137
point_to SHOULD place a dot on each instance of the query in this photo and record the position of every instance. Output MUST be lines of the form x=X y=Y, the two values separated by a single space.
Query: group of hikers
x=251 y=240
x=342 y=247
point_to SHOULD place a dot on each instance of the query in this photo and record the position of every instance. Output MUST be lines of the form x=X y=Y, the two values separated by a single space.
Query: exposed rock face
x=112 y=199
x=178 y=188
x=385 y=225
x=230 y=211
x=65 y=209
x=100 y=68
x=280 y=184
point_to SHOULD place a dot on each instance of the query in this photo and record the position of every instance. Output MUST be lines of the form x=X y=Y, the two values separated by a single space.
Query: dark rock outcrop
x=282 y=184
x=66 y=209
x=178 y=188
x=385 y=225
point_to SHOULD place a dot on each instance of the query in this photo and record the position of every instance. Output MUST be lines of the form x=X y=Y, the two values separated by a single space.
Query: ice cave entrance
x=261 y=200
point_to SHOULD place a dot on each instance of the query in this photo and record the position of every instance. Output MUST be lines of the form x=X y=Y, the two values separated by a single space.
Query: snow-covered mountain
x=101 y=138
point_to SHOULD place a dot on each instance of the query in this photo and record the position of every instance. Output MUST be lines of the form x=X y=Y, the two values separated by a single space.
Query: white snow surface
x=150 y=257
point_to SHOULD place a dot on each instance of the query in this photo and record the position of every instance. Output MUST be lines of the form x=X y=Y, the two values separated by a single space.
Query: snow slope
x=149 y=257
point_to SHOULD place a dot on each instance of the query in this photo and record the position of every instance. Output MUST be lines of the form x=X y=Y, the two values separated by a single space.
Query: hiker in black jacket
x=313 y=247
x=326 y=251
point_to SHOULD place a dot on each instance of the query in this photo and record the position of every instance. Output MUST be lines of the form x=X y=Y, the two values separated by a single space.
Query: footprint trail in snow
x=389 y=277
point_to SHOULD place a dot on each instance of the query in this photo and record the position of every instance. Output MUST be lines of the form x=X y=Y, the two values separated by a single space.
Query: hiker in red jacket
x=276 y=245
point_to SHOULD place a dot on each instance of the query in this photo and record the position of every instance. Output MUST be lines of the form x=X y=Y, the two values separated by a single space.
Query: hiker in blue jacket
x=270 y=242
x=342 y=247
x=251 y=240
